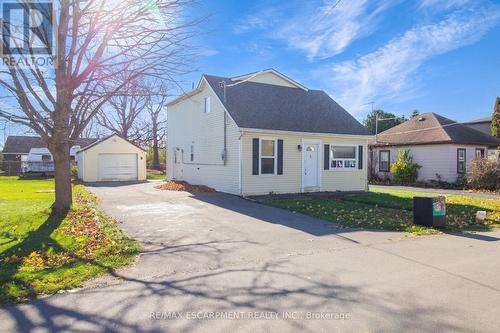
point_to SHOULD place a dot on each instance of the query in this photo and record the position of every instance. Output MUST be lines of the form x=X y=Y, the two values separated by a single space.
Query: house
x=481 y=125
x=262 y=133
x=111 y=159
x=17 y=149
x=484 y=125
x=442 y=147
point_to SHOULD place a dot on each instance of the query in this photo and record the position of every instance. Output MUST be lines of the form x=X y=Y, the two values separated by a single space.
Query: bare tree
x=93 y=130
x=157 y=124
x=100 y=46
x=122 y=114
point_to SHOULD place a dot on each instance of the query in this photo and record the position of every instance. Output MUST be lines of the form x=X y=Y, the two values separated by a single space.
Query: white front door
x=311 y=165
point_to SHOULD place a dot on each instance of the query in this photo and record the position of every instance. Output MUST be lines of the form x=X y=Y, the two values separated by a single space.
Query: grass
x=41 y=253
x=387 y=209
x=155 y=175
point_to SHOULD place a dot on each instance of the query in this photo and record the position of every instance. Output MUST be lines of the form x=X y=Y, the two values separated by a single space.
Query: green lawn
x=41 y=253
x=392 y=210
x=155 y=175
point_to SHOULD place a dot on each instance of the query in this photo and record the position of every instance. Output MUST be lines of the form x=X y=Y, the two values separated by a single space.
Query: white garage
x=111 y=159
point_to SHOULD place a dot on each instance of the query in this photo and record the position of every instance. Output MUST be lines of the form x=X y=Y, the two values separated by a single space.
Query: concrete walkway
x=212 y=262
x=481 y=195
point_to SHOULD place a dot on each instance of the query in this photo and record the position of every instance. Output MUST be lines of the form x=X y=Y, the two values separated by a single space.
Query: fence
x=15 y=168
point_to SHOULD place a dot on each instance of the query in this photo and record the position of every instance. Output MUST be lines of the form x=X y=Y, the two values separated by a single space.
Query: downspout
x=222 y=84
x=240 y=164
x=224 y=152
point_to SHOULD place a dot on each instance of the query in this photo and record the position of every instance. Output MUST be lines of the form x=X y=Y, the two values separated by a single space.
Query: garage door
x=117 y=167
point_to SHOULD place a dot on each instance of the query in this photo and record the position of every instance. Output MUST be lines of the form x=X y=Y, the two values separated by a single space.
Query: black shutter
x=255 y=156
x=326 y=157
x=360 y=157
x=280 y=157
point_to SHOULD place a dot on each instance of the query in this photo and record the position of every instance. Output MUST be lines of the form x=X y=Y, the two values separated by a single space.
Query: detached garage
x=111 y=159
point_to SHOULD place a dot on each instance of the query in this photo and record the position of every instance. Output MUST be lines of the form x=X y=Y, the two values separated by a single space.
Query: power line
x=424 y=129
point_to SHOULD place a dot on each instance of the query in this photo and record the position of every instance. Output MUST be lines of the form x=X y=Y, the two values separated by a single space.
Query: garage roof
x=106 y=138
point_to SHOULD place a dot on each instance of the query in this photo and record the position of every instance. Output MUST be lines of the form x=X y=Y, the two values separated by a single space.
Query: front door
x=311 y=165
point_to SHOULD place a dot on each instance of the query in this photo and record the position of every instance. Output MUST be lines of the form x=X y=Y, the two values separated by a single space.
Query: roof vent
x=421 y=118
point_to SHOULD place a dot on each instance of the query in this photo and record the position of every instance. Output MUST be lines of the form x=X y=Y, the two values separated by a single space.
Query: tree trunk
x=156 y=153
x=62 y=178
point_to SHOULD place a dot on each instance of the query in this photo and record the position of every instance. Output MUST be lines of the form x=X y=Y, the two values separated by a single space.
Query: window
x=267 y=156
x=460 y=160
x=384 y=161
x=46 y=158
x=207 y=105
x=191 y=156
x=343 y=157
x=479 y=152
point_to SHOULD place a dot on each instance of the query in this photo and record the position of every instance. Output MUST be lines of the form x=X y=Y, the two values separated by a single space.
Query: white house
x=264 y=133
x=442 y=147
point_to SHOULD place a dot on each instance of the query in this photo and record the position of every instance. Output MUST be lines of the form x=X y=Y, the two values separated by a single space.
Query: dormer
x=269 y=76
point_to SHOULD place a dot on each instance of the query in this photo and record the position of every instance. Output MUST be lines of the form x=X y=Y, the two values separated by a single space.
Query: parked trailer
x=39 y=161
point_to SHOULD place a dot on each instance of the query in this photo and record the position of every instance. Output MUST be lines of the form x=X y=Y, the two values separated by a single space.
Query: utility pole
x=377 y=119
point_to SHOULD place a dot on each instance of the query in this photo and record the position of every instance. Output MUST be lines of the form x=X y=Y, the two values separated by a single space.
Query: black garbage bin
x=429 y=211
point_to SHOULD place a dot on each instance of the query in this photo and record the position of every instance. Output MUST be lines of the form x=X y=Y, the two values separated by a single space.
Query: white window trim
x=388 y=151
x=275 y=156
x=464 y=161
x=356 y=159
x=207 y=105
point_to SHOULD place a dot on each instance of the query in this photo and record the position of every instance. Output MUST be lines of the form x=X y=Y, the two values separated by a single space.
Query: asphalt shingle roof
x=23 y=144
x=272 y=107
x=480 y=120
x=431 y=128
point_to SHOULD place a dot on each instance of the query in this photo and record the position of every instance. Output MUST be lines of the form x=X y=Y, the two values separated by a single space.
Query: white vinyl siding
x=207 y=104
x=271 y=78
x=434 y=159
x=188 y=126
x=291 y=180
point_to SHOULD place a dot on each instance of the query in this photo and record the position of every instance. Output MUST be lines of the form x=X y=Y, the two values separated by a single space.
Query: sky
x=439 y=56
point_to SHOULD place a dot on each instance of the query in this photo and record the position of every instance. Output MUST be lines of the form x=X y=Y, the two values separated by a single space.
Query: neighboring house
x=481 y=125
x=264 y=133
x=443 y=148
x=17 y=150
x=111 y=159
x=484 y=125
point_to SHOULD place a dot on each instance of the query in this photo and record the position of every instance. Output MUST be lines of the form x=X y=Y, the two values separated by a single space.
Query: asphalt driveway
x=212 y=262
